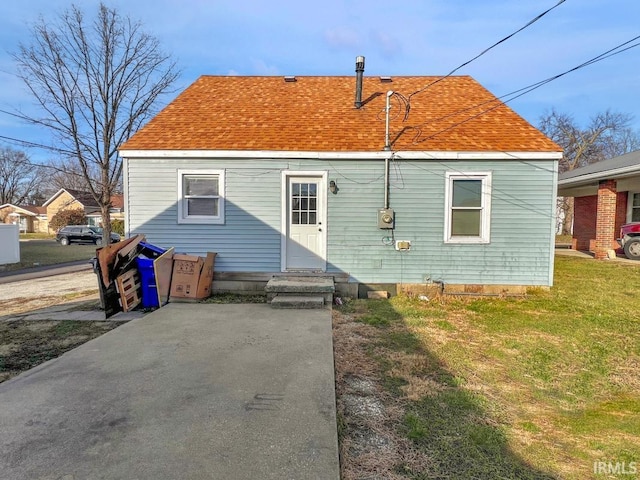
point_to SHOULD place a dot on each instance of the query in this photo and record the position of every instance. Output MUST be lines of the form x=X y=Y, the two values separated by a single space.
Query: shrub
x=68 y=217
x=117 y=226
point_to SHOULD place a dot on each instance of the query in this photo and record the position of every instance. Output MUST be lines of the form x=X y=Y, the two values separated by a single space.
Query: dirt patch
x=369 y=418
x=25 y=344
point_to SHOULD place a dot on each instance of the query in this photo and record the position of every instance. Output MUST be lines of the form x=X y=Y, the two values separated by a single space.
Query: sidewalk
x=567 y=252
x=44 y=271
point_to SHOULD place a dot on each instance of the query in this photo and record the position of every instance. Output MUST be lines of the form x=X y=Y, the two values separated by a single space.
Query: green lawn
x=48 y=252
x=540 y=387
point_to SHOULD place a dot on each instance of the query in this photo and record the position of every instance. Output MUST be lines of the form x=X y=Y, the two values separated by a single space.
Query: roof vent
x=290 y=78
x=386 y=79
x=359 y=74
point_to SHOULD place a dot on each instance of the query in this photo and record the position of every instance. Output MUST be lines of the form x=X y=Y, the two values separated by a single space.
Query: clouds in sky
x=405 y=37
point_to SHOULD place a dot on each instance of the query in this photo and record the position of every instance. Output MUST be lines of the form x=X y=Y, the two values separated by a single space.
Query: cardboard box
x=192 y=276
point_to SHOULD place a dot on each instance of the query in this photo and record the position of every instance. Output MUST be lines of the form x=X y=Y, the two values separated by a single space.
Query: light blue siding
x=519 y=253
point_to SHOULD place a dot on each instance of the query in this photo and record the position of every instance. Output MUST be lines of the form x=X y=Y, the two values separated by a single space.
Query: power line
x=506 y=98
x=528 y=24
x=26 y=143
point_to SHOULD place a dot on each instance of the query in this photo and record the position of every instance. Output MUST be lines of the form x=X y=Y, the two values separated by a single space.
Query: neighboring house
x=36 y=219
x=31 y=219
x=68 y=199
x=286 y=174
x=607 y=195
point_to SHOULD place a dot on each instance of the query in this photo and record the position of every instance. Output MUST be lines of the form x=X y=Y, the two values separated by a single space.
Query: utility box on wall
x=386 y=218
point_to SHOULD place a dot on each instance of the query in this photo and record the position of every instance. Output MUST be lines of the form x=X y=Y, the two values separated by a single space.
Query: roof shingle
x=318 y=114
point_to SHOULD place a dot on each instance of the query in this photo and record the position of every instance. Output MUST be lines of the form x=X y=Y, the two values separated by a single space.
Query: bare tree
x=19 y=178
x=66 y=174
x=96 y=83
x=606 y=136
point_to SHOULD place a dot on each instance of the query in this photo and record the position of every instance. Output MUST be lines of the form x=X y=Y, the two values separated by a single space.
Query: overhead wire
x=528 y=24
x=508 y=97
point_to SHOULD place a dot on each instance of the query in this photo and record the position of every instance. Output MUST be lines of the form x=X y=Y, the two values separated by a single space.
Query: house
x=606 y=195
x=290 y=174
x=31 y=219
x=34 y=219
x=68 y=199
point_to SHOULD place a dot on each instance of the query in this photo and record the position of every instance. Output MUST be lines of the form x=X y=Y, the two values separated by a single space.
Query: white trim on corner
x=125 y=193
x=205 y=220
x=485 y=215
x=284 y=227
x=373 y=155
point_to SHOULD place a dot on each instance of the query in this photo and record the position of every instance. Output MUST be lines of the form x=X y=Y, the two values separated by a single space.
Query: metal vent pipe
x=359 y=74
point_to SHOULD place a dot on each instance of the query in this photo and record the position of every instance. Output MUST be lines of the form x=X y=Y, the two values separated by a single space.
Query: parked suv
x=630 y=240
x=82 y=234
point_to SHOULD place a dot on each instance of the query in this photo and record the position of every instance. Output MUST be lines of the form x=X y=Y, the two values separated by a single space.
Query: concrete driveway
x=191 y=391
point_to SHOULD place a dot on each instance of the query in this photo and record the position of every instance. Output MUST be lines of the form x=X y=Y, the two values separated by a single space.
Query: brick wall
x=64 y=201
x=606 y=217
x=584 y=221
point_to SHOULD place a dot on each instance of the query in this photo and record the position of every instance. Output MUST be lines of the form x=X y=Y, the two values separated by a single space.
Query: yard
x=541 y=387
x=40 y=252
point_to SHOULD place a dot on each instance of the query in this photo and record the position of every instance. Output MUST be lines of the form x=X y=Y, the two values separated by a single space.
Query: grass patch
x=48 y=252
x=37 y=236
x=534 y=387
x=24 y=344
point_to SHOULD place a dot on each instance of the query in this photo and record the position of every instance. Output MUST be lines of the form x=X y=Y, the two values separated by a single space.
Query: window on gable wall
x=468 y=207
x=201 y=196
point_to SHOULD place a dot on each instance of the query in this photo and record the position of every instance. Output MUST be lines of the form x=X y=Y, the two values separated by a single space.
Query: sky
x=404 y=37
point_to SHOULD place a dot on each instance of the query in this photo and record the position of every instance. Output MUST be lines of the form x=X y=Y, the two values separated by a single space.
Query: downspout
x=387 y=148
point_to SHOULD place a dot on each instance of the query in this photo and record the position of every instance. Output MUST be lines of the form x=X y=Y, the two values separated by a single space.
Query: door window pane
x=303 y=203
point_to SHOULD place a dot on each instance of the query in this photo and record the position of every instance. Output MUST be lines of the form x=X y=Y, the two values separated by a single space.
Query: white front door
x=305 y=219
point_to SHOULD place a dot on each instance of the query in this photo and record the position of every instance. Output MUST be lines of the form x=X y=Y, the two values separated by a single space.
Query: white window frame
x=630 y=195
x=485 y=207
x=201 y=219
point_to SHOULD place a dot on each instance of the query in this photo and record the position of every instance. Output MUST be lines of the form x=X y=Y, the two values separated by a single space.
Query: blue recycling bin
x=144 y=260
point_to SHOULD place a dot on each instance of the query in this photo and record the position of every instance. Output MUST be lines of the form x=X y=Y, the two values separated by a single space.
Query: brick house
x=67 y=199
x=36 y=219
x=606 y=195
x=32 y=219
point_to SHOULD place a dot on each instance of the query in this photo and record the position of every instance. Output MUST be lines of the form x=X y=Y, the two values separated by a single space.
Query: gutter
x=592 y=177
x=370 y=155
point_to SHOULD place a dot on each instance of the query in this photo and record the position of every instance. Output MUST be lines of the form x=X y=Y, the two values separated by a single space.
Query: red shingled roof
x=318 y=114
x=35 y=209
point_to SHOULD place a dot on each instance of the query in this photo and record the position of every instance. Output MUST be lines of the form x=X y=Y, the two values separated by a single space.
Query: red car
x=630 y=240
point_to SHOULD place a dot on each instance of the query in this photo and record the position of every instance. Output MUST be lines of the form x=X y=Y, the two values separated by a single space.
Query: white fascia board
x=413 y=155
x=609 y=174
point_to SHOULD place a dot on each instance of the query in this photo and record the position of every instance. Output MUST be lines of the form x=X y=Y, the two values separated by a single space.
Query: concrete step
x=298 y=301
x=300 y=291
x=294 y=284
